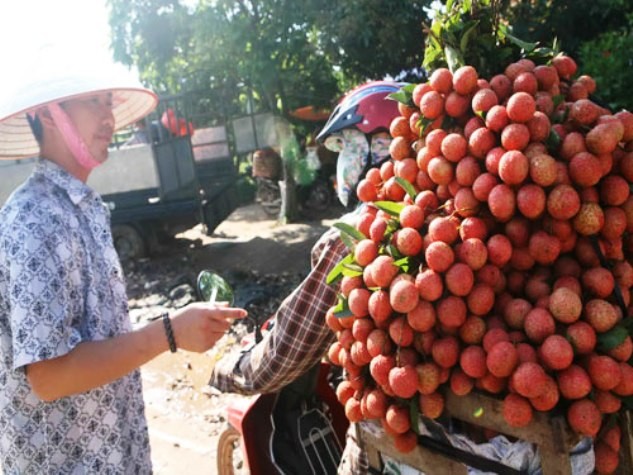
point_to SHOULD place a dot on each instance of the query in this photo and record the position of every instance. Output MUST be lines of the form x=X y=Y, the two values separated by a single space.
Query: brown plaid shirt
x=298 y=340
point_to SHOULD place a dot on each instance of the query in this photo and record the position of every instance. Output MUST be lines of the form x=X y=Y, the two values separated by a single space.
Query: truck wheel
x=269 y=196
x=319 y=196
x=128 y=242
x=229 y=462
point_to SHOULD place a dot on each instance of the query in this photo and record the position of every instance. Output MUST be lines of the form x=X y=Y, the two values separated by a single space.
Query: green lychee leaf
x=454 y=58
x=553 y=141
x=408 y=187
x=352 y=270
x=414 y=415
x=337 y=272
x=468 y=34
x=524 y=45
x=390 y=207
x=350 y=230
x=342 y=308
x=424 y=125
x=406 y=264
x=349 y=242
x=404 y=95
x=392 y=250
x=614 y=337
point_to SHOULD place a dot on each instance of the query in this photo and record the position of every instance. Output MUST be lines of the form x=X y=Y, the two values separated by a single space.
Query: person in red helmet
x=358 y=131
x=299 y=338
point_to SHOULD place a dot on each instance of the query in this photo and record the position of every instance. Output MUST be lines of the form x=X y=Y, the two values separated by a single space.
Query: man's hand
x=198 y=326
x=93 y=363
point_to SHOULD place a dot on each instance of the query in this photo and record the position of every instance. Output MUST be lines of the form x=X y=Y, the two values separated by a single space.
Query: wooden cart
x=551 y=434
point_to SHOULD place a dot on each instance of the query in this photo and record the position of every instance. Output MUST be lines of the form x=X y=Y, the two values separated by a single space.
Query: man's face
x=94 y=121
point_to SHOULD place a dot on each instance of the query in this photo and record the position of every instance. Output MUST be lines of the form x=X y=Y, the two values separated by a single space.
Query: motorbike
x=297 y=430
x=314 y=182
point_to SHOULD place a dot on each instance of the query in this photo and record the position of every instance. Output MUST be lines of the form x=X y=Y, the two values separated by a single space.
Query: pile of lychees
x=493 y=255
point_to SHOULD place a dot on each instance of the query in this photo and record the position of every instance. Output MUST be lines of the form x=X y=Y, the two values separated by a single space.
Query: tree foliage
x=572 y=22
x=280 y=54
x=369 y=39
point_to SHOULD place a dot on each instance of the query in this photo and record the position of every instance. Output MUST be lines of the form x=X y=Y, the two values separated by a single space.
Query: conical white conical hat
x=131 y=102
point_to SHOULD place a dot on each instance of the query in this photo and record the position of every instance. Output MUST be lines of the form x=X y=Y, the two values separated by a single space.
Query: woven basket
x=266 y=164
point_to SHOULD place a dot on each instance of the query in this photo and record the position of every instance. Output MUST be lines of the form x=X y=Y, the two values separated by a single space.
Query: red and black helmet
x=365 y=108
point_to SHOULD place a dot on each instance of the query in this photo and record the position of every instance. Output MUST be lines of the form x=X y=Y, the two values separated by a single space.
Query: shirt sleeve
x=45 y=296
x=299 y=337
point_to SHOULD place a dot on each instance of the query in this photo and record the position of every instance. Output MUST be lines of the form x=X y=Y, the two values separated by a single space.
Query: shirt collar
x=76 y=189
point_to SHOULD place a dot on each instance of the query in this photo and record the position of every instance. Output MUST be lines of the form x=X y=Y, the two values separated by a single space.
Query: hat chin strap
x=72 y=138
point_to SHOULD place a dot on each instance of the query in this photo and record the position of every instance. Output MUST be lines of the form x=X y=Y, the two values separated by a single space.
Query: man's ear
x=45 y=118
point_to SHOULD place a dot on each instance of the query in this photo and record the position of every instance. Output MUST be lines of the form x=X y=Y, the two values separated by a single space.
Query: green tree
x=280 y=54
x=572 y=22
x=368 y=39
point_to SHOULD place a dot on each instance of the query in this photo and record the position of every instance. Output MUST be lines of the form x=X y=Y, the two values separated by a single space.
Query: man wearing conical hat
x=70 y=390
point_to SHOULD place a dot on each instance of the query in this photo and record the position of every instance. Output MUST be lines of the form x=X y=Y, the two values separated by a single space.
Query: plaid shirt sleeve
x=299 y=337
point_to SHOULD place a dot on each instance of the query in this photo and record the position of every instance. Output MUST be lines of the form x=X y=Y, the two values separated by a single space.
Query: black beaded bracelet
x=169 y=331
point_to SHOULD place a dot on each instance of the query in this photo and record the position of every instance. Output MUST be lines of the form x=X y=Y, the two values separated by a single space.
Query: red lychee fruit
x=380 y=367
x=625 y=388
x=529 y=380
x=584 y=417
x=379 y=307
x=358 y=302
x=403 y=381
x=473 y=361
x=384 y=270
x=521 y=107
x=556 y=352
x=582 y=337
x=539 y=324
x=494 y=336
x=601 y=315
x=403 y=296
x=517 y=410
x=565 y=305
x=451 y=311
x=439 y=256
x=563 y=202
x=431 y=405
x=459 y=279
x=607 y=459
x=623 y=351
x=548 y=400
x=574 y=382
x=428 y=377
x=397 y=419
x=445 y=351
x=429 y=284
x=376 y=403
x=604 y=372
x=460 y=383
x=353 y=410
x=405 y=443
x=502 y=359
x=607 y=402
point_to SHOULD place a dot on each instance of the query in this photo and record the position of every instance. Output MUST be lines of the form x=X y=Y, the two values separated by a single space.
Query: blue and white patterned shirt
x=61 y=284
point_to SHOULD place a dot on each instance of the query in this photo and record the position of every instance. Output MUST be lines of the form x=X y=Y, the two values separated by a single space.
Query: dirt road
x=185 y=416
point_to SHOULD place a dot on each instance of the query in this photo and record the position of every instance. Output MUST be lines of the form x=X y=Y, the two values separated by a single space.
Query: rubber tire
x=226 y=447
x=269 y=197
x=319 y=197
x=128 y=241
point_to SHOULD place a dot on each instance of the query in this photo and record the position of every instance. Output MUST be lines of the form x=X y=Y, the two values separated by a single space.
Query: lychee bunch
x=493 y=253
